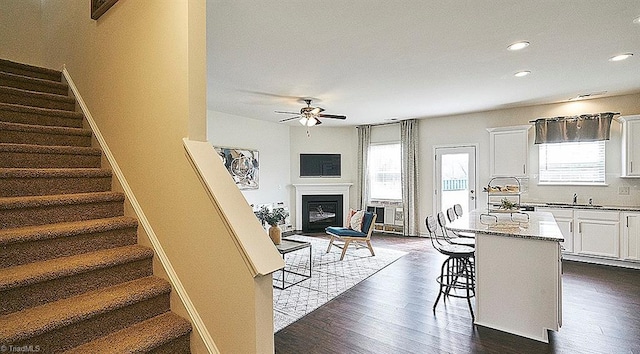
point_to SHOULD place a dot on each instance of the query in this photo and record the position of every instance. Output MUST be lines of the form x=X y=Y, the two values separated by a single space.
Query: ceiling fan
x=308 y=115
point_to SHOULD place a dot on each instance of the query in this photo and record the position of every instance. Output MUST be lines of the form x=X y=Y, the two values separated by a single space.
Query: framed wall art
x=99 y=7
x=242 y=164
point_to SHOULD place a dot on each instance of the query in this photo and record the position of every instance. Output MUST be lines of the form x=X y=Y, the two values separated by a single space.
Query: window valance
x=585 y=127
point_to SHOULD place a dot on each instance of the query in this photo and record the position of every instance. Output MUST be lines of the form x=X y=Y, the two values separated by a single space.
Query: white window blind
x=385 y=171
x=572 y=163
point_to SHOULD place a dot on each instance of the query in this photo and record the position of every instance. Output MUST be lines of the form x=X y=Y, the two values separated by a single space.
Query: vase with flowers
x=273 y=217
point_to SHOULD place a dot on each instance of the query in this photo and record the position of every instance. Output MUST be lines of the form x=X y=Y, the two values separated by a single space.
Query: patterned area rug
x=330 y=277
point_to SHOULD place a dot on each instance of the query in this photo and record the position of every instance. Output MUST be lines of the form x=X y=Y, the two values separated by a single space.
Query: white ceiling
x=376 y=60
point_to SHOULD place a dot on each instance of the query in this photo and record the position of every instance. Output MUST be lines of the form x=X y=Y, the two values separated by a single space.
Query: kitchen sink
x=574 y=205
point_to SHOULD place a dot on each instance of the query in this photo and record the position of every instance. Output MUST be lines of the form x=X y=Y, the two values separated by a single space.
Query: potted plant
x=273 y=217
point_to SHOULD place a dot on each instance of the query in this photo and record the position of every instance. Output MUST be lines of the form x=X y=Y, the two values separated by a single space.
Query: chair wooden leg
x=370 y=247
x=330 y=244
x=344 y=248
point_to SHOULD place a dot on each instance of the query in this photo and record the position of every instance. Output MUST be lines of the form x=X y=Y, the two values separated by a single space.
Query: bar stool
x=457 y=213
x=465 y=241
x=457 y=270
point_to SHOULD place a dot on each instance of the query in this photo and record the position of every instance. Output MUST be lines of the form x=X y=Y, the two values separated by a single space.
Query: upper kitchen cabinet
x=509 y=151
x=630 y=146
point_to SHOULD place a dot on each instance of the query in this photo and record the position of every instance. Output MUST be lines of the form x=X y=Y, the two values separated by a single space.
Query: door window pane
x=455 y=180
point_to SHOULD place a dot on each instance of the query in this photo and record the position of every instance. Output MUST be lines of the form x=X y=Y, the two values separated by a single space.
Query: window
x=385 y=172
x=572 y=163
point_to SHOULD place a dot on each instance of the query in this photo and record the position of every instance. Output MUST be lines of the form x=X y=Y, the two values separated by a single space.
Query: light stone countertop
x=580 y=206
x=541 y=225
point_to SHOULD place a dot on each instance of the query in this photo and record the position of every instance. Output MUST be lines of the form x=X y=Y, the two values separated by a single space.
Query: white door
x=455 y=178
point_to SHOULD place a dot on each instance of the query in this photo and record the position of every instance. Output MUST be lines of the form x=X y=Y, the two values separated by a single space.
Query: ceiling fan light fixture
x=518 y=45
x=308 y=121
x=311 y=122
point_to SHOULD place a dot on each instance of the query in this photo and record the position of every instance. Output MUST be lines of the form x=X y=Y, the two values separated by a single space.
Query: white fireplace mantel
x=321 y=189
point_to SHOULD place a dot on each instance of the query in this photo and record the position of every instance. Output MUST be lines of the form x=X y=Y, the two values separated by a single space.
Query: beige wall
x=471 y=129
x=321 y=140
x=21 y=38
x=139 y=78
x=272 y=142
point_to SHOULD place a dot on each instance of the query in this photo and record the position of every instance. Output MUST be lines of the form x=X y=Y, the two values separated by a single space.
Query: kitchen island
x=518 y=271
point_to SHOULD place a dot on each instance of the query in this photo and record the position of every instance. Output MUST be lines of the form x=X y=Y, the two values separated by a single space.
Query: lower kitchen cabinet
x=597 y=233
x=630 y=236
x=564 y=219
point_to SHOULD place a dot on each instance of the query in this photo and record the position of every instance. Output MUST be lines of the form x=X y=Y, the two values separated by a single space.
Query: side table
x=288 y=246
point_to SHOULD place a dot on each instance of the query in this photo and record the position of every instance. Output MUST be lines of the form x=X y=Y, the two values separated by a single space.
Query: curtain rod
x=589 y=116
x=387 y=123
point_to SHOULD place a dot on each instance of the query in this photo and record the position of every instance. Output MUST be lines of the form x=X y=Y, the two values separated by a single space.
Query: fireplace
x=315 y=189
x=320 y=211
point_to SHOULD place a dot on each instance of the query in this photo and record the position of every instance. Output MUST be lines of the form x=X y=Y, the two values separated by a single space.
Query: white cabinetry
x=509 y=151
x=598 y=233
x=564 y=219
x=630 y=236
x=630 y=146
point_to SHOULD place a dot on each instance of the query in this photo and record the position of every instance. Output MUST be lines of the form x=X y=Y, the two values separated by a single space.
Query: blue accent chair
x=347 y=235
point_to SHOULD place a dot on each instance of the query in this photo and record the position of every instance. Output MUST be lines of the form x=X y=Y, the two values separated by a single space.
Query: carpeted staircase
x=72 y=276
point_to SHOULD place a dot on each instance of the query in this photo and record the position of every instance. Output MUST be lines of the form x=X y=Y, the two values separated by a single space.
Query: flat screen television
x=320 y=165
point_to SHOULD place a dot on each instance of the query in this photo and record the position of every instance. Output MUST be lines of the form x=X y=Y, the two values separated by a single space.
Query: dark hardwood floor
x=391 y=312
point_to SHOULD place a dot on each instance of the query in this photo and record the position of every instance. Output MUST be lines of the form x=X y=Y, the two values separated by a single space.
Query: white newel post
x=321 y=189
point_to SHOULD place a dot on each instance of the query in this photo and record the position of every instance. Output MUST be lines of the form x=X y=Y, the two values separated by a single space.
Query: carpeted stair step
x=49 y=209
x=38 y=283
x=36 y=99
x=18 y=133
x=38 y=156
x=30 y=70
x=33 y=84
x=165 y=333
x=38 y=243
x=13 y=113
x=71 y=322
x=18 y=182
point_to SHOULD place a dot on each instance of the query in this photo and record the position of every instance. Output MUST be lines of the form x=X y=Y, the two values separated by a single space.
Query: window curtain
x=409 y=175
x=586 y=127
x=362 y=185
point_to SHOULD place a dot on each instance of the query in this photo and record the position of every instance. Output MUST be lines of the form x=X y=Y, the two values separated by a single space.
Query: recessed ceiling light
x=621 y=57
x=636 y=20
x=522 y=73
x=518 y=45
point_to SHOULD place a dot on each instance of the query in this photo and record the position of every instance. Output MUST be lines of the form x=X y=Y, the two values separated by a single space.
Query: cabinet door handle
x=524 y=169
x=627 y=221
x=580 y=227
x=571 y=227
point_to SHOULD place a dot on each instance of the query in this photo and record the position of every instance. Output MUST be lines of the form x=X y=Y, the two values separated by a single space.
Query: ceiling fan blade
x=287 y=112
x=288 y=119
x=318 y=122
x=332 y=116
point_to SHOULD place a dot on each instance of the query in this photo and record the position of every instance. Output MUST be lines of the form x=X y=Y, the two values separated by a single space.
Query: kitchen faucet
x=575 y=198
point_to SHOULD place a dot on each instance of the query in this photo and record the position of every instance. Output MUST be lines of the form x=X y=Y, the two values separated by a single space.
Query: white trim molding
x=177 y=286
